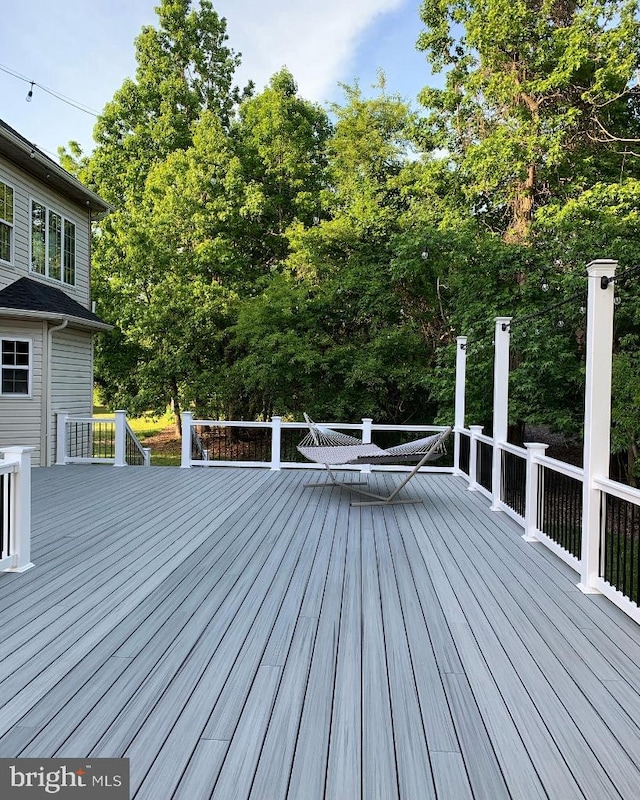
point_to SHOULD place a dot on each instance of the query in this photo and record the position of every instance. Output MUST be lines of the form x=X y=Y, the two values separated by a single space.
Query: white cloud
x=316 y=41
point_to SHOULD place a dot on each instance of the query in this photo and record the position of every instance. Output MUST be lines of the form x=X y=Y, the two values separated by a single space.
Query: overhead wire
x=543 y=312
x=58 y=95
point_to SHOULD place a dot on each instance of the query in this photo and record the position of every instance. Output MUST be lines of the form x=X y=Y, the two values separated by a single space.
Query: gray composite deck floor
x=237 y=635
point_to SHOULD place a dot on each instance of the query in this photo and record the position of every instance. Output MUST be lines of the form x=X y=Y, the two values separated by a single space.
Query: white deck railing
x=99 y=440
x=15 y=509
x=272 y=444
x=546 y=497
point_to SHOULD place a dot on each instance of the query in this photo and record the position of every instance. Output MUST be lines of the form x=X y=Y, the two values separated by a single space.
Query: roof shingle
x=26 y=294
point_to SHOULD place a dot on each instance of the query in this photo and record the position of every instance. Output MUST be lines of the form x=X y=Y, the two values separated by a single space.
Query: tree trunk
x=522 y=209
x=515 y=433
x=632 y=455
x=175 y=405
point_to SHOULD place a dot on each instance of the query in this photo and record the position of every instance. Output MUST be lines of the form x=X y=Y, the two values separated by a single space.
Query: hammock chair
x=329 y=447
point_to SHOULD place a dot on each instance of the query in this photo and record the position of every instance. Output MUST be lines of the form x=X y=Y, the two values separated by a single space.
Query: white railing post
x=473 y=457
x=147 y=456
x=597 y=415
x=367 y=422
x=121 y=439
x=61 y=438
x=461 y=377
x=531 y=491
x=187 y=422
x=276 y=439
x=500 y=405
x=20 y=544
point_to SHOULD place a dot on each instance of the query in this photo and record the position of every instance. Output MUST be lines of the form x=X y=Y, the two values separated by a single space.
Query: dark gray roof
x=34 y=297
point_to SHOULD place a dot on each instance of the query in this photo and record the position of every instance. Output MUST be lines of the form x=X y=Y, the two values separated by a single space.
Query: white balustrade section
x=272 y=455
x=99 y=440
x=534 y=488
x=15 y=509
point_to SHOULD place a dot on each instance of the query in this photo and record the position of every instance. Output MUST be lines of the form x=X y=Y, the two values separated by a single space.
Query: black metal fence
x=464 y=444
x=560 y=509
x=514 y=482
x=484 y=465
x=90 y=439
x=221 y=443
x=290 y=438
x=133 y=455
x=620 y=544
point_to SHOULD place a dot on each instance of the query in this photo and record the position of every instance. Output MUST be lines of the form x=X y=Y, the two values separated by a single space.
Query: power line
x=58 y=95
x=516 y=321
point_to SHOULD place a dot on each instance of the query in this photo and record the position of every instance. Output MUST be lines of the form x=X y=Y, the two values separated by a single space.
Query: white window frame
x=10 y=225
x=64 y=220
x=28 y=369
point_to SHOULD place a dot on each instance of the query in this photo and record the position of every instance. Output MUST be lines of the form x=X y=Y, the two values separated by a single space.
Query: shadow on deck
x=236 y=635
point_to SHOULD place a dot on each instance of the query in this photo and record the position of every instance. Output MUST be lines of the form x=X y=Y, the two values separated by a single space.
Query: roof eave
x=27 y=156
x=77 y=322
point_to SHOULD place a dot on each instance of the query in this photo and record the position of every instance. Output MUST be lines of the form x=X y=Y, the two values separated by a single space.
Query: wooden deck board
x=553 y=694
x=237 y=635
x=344 y=768
x=545 y=648
x=412 y=757
x=379 y=768
x=308 y=771
x=178 y=627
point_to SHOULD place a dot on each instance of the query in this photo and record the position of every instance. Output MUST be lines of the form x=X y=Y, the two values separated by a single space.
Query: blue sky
x=84 y=50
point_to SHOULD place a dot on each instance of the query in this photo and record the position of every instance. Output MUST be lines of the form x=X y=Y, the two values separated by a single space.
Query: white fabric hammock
x=332 y=448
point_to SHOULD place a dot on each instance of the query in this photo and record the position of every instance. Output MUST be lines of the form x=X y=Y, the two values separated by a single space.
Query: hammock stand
x=329 y=447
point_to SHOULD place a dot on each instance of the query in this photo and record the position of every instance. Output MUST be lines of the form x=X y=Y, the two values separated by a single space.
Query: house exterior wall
x=62 y=361
x=71 y=378
x=26 y=189
x=21 y=417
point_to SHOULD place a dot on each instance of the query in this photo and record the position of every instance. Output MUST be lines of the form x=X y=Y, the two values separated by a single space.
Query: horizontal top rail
x=6 y=468
x=93 y=420
x=222 y=423
x=628 y=493
x=560 y=466
x=482 y=437
x=418 y=428
x=514 y=449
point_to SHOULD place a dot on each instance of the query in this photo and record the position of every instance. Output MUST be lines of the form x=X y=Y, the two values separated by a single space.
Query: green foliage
x=184 y=66
x=539 y=99
x=263 y=259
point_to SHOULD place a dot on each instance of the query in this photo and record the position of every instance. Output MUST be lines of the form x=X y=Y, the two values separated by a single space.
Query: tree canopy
x=267 y=255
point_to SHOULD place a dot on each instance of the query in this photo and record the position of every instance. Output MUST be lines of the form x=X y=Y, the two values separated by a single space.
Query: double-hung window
x=15 y=367
x=6 y=222
x=53 y=244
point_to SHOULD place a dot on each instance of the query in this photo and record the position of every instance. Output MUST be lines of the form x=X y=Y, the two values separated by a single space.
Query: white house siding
x=21 y=417
x=71 y=377
x=27 y=188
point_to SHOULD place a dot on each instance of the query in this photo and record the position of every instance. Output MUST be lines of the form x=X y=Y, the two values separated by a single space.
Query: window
x=53 y=244
x=15 y=364
x=6 y=222
x=69 y=253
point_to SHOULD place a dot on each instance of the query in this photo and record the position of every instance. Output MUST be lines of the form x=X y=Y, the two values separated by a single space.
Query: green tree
x=341 y=333
x=183 y=67
x=208 y=225
x=280 y=140
x=145 y=276
x=540 y=101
